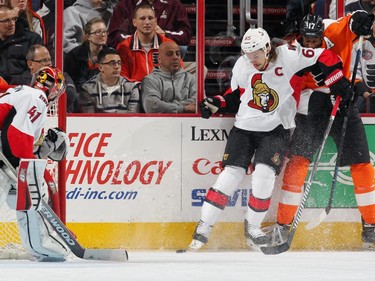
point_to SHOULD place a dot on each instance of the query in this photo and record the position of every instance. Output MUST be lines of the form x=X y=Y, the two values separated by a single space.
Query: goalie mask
x=51 y=81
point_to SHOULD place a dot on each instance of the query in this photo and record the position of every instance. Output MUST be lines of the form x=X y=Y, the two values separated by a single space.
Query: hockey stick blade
x=281 y=248
x=275 y=250
x=72 y=243
x=314 y=223
x=106 y=254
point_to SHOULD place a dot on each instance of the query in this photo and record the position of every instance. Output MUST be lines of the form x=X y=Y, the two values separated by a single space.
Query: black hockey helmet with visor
x=312 y=26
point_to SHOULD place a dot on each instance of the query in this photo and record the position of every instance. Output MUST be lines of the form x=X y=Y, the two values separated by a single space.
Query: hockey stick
x=278 y=249
x=327 y=209
x=65 y=234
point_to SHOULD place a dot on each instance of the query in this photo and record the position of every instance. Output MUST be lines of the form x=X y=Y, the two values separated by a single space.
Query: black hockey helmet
x=312 y=26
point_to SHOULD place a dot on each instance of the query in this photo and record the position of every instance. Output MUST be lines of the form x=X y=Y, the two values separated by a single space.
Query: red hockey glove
x=339 y=86
x=212 y=105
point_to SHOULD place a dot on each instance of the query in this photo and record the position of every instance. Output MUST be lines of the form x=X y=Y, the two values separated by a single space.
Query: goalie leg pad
x=30 y=184
x=39 y=239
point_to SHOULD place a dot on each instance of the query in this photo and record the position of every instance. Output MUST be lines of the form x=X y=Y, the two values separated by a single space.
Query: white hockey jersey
x=366 y=66
x=271 y=96
x=23 y=114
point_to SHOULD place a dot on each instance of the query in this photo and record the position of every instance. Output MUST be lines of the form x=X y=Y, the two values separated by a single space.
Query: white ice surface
x=215 y=266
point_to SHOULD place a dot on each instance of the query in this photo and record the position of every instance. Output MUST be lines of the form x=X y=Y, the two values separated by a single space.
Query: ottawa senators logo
x=264 y=98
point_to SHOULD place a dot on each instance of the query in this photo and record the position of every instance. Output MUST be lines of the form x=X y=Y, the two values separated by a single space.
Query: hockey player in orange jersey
x=315 y=107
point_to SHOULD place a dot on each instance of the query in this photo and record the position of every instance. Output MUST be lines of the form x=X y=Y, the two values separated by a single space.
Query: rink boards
x=139 y=182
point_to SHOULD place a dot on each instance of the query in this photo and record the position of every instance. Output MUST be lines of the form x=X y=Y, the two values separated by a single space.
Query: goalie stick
x=278 y=249
x=70 y=241
x=314 y=223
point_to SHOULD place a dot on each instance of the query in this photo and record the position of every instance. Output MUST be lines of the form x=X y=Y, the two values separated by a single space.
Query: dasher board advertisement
x=158 y=169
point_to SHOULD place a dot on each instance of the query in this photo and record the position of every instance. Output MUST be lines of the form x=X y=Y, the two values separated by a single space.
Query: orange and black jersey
x=337 y=37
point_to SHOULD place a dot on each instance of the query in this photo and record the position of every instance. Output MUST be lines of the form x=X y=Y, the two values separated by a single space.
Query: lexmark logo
x=208 y=134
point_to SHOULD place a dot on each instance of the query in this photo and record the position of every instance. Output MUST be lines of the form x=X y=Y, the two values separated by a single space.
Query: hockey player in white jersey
x=264 y=95
x=23 y=114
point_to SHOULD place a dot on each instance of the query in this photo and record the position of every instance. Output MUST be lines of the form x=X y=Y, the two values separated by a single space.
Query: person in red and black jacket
x=171 y=15
x=139 y=52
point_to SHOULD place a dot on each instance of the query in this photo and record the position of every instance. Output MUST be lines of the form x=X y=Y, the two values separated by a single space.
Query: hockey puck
x=180 y=251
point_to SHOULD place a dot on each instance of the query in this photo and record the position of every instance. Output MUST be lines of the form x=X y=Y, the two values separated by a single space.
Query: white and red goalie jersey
x=23 y=114
x=271 y=96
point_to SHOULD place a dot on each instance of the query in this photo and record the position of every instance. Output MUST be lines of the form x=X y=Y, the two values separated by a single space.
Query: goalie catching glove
x=55 y=145
x=215 y=104
x=339 y=85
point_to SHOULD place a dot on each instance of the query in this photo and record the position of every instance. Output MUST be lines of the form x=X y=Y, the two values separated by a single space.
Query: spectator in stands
x=47 y=12
x=108 y=92
x=139 y=52
x=76 y=17
x=82 y=62
x=172 y=21
x=169 y=88
x=68 y=3
x=38 y=56
x=365 y=79
x=28 y=18
x=366 y=5
x=350 y=6
x=111 y=4
x=14 y=43
x=35 y=4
